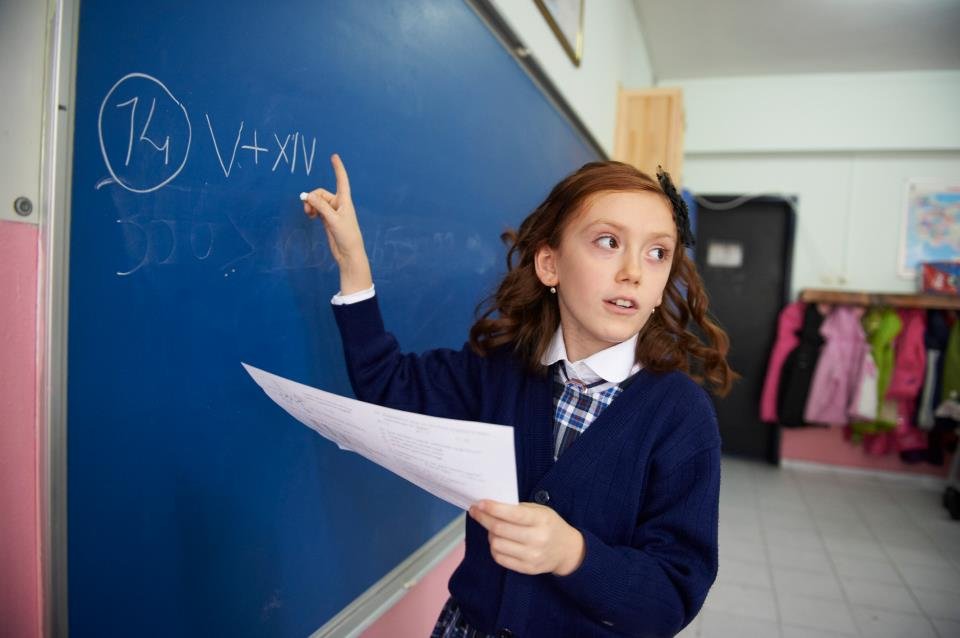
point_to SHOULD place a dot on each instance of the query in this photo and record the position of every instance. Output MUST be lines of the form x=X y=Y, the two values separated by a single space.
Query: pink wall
x=417 y=612
x=19 y=495
x=826 y=445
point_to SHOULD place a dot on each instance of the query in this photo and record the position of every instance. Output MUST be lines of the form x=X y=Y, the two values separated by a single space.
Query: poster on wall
x=931 y=224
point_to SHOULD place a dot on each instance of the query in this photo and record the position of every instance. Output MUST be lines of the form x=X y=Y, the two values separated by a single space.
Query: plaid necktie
x=576 y=406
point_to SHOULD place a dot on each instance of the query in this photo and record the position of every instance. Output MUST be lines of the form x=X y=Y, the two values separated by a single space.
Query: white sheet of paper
x=461 y=462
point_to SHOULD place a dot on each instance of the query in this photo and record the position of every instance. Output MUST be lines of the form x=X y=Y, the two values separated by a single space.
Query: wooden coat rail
x=896 y=300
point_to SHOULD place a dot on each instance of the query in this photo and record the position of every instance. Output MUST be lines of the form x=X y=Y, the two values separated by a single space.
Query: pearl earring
x=553 y=290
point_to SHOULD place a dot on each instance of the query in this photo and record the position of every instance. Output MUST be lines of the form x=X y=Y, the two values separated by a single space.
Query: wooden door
x=650 y=130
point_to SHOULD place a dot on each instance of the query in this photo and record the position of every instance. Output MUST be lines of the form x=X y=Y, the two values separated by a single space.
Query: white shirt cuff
x=353 y=297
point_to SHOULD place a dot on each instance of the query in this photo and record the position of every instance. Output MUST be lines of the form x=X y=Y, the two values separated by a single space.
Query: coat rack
x=896 y=300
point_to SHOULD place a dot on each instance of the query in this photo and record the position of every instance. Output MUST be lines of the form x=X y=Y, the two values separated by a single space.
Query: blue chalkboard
x=196 y=506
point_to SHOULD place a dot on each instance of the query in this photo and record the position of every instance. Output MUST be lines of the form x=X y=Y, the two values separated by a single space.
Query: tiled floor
x=805 y=552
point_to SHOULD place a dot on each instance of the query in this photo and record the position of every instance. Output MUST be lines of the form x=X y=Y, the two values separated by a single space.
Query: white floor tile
x=743 y=572
x=876 y=623
x=741 y=549
x=785 y=502
x=794 y=521
x=793 y=631
x=944 y=533
x=945 y=577
x=807 y=559
x=886 y=512
x=718 y=624
x=815 y=613
x=946 y=628
x=841 y=510
x=791 y=539
x=881 y=571
x=868 y=593
x=912 y=536
x=939 y=604
x=742 y=600
x=749 y=532
x=927 y=555
x=850 y=546
x=805 y=583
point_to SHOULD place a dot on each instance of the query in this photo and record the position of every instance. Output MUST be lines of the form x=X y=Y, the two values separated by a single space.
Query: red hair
x=522 y=312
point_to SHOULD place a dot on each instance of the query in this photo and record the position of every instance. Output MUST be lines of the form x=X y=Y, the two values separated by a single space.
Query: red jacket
x=789 y=323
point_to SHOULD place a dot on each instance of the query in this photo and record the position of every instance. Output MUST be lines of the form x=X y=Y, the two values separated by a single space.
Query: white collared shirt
x=609 y=366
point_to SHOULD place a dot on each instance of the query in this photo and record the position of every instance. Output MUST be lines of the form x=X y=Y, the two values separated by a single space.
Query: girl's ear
x=545 y=263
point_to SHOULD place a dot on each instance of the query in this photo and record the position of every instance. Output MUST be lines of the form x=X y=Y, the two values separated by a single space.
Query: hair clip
x=680 y=213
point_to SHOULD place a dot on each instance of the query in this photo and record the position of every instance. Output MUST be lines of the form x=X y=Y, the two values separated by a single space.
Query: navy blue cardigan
x=641 y=484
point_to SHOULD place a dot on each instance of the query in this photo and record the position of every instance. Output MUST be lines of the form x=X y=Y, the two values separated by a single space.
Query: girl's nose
x=630 y=269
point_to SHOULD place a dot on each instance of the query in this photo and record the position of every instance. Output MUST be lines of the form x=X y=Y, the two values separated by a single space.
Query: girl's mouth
x=621 y=305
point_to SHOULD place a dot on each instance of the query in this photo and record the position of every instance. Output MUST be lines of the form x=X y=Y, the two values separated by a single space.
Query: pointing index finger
x=343 y=182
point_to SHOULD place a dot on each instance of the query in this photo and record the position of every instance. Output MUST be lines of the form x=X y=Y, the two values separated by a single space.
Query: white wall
x=845 y=145
x=22 y=45
x=823 y=112
x=613 y=53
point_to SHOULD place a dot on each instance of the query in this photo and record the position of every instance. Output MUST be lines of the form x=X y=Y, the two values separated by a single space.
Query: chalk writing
x=216 y=147
x=145 y=138
x=145 y=147
x=146 y=174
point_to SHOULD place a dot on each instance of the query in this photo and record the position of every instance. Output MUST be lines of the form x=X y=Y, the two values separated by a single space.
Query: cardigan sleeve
x=658 y=582
x=441 y=382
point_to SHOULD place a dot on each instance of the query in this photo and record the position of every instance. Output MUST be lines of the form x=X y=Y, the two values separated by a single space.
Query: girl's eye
x=607 y=241
x=660 y=254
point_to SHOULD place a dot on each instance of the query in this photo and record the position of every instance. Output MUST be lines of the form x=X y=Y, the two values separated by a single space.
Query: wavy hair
x=522 y=311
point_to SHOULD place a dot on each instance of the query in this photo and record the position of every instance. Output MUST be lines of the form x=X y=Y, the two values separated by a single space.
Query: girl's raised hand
x=530 y=538
x=343 y=231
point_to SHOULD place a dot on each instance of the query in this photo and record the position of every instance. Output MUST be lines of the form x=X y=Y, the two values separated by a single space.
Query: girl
x=584 y=350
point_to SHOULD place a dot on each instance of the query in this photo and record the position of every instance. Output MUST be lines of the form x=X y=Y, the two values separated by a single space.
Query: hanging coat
x=788 y=324
x=838 y=368
x=798 y=370
x=935 y=340
x=951 y=366
x=882 y=328
x=909 y=367
x=910 y=359
x=882 y=346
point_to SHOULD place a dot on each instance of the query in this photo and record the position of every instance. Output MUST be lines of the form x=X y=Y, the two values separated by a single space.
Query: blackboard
x=196 y=506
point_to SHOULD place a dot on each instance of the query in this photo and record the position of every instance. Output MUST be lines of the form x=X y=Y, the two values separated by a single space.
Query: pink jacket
x=838 y=367
x=909 y=370
x=790 y=321
x=910 y=360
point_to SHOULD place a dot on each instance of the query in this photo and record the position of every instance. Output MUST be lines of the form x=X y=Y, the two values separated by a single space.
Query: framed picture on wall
x=931 y=224
x=565 y=18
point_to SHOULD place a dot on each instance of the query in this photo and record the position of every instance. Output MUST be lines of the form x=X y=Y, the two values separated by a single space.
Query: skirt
x=451 y=624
